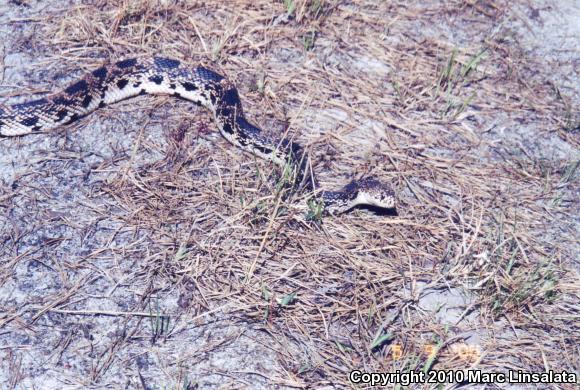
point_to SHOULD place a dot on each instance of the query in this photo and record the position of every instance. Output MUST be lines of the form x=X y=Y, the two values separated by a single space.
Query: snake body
x=131 y=77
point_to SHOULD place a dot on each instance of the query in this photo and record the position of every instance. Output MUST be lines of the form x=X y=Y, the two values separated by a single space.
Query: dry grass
x=359 y=85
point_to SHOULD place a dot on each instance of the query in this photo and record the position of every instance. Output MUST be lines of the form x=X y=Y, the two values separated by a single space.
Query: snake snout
x=376 y=193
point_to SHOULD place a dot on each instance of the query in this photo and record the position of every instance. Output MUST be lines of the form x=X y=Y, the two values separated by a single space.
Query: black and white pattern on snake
x=132 y=77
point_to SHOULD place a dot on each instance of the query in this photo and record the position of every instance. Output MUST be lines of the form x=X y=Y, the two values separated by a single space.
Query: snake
x=131 y=77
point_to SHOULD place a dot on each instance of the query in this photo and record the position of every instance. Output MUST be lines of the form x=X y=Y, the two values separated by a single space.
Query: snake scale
x=131 y=77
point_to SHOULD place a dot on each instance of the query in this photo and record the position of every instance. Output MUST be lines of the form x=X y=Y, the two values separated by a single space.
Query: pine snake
x=132 y=77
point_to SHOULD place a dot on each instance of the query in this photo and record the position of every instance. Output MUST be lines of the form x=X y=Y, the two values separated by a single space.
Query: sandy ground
x=139 y=250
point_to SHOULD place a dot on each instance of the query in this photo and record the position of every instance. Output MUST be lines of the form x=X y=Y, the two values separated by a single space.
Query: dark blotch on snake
x=189 y=86
x=126 y=63
x=226 y=112
x=137 y=84
x=61 y=101
x=61 y=114
x=104 y=92
x=26 y=105
x=100 y=73
x=166 y=63
x=172 y=86
x=262 y=149
x=243 y=137
x=122 y=83
x=79 y=86
x=212 y=98
x=248 y=127
x=214 y=91
x=73 y=118
x=231 y=98
x=228 y=128
x=31 y=121
x=208 y=74
x=87 y=100
x=156 y=79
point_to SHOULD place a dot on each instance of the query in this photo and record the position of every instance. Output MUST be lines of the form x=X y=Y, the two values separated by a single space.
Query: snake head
x=373 y=192
x=370 y=192
x=367 y=192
